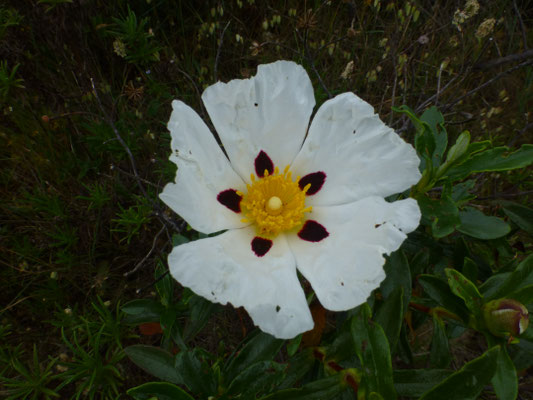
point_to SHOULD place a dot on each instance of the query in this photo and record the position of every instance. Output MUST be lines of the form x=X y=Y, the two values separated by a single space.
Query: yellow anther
x=306 y=187
x=274 y=203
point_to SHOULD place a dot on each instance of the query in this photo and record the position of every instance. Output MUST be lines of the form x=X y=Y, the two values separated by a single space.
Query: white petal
x=345 y=267
x=203 y=172
x=360 y=155
x=224 y=269
x=268 y=112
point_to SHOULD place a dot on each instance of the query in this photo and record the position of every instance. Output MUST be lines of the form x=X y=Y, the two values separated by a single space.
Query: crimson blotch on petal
x=230 y=199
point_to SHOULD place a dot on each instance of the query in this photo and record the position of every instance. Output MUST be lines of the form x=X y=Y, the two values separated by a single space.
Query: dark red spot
x=261 y=246
x=263 y=162
x=316 y=179
x=312 y=231
x=230 y=199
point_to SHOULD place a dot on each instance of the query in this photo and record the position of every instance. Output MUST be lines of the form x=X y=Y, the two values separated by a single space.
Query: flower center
x=274 y=203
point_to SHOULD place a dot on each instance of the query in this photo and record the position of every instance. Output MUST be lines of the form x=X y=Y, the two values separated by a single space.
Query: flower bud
x=505 y=317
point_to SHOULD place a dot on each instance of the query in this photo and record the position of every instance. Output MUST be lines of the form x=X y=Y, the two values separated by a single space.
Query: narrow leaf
x=522 y=276
x=322 y=389
x=155 y=361
x=468 y=382
x=142 y=310
x=414 y=382
x=476 y=224
x=440 y=355
x=494 y=159
x=505 y=380
x=161 y=390
x=441 y=293
x=443 y=213
x=262 y=347
x=520 y=215
x=465 y=289
x=390 y=316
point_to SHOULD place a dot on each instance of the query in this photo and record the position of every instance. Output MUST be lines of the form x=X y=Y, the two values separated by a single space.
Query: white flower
x=286 y=200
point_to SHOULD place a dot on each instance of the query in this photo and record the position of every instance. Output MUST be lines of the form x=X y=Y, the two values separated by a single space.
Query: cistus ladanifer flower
x=506 y=317
x=290 y=195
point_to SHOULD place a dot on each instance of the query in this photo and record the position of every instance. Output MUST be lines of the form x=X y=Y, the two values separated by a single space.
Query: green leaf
x=142 y=310
x=382 y=363
x=476 y=224
x=433 y=117
x=443 y=212
x=468 y=382
x=523 y=295
x=201 y=310
x=293 y=345
x=155 y=361
x=390 y=316
x=522 y=276
x=440 y=355
x=441 y=293
x=161 y=390
x=262 y=347
x=322 y=389
x=195 y=372
x=505 y=380
x=373 y=350
x=299 y=365
x=466 y=290
x=435 y=122
x=375 y=396
x=257 y=378
x=455 y=152
x=493 y=160
x=470 y=269
x=520 y=215
x=414 y=382
x=461 y=192
x=398 y=274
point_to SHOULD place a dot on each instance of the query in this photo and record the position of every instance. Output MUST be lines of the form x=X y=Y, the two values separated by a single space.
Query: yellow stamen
x=274 y=203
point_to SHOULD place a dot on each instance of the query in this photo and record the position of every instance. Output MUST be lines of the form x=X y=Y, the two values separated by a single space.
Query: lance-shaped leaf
x=261 y=347
x=142 y=310
x=495 y=159
x=468 y=382
x=466 y=290
x=443 y=213
x=155 y=361
x=476 y=224
x=521 y=277
x=390 y=316
x=455 y=153
x=440 y=292
x=505 y=380
x=415 y=382
x=520 y=215
x=398 y=274
x=372 y=347
x=440 y=355
x=196 y=373
x=159 y=390
x=435 y=122
x=322 y=389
